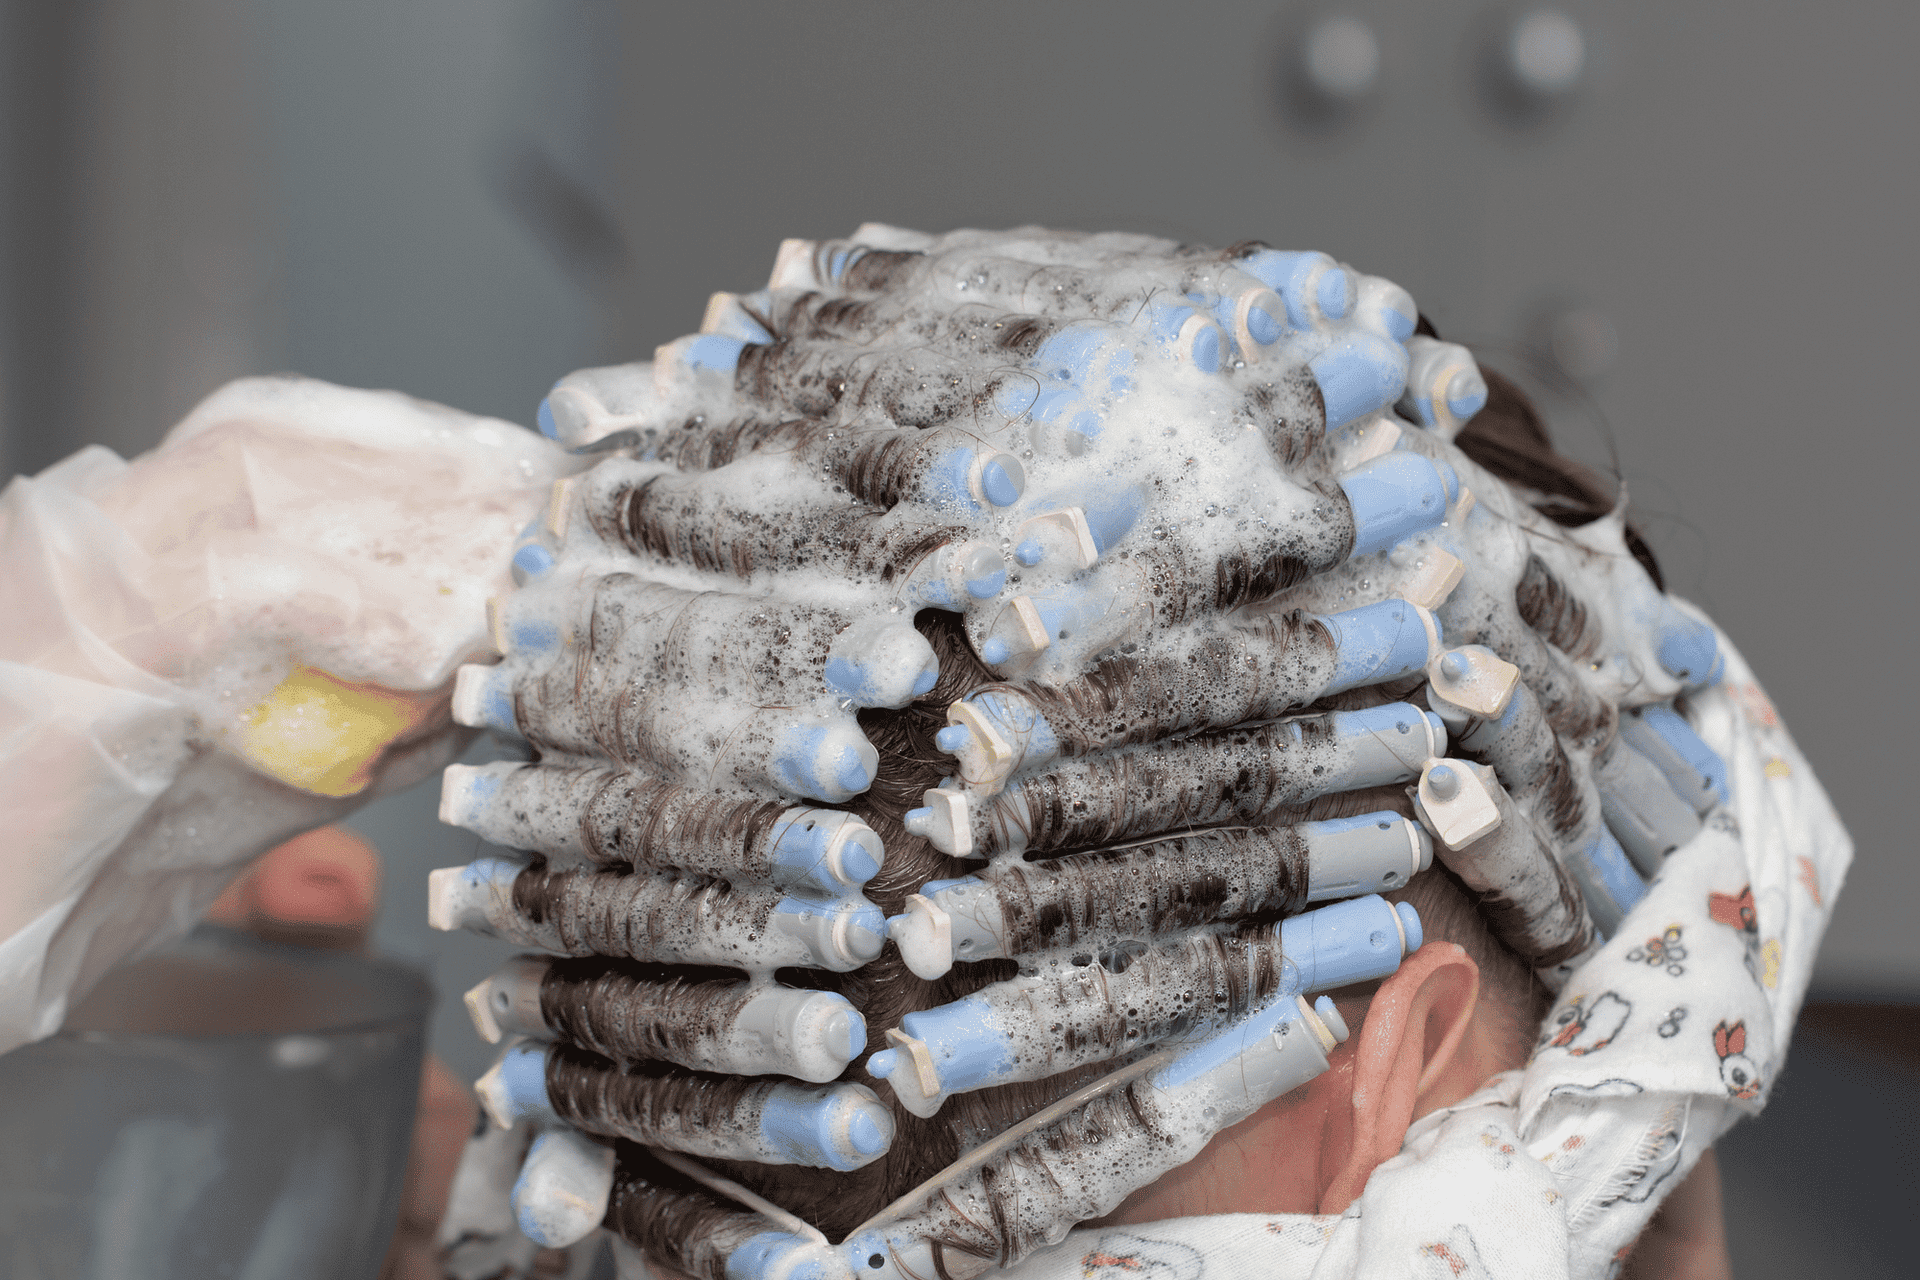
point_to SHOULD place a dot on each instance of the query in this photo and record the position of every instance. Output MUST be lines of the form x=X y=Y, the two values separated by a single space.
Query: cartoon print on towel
x=1500 y=1152
x=1737 y=1070
x=1583 y=1028
x=1663 y=952
x=1810 y=880
x=1736 y=911
x=1755 y=705
x=1454 y=1257
x=1120 y=1256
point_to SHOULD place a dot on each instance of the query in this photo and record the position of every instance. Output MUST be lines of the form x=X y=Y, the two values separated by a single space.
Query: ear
x=1413 y=1028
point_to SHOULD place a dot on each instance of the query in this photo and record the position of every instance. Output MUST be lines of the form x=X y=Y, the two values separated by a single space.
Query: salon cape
x=1665 y=1038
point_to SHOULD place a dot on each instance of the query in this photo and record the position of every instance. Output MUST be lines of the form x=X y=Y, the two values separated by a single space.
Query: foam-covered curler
x=1379 y=642
x=1152 y=589
x=659 y=1195
x=483 y=698
x=1359 y=374
x=673 y=660
x=561 y=1193
x=1387 y=308
x=1063 y=407
x=649 y=916
x=1349 y=942
x=479 y=898
x=1316 y=288
x=1661 y=734
x=1105 y=1005
x=1469 y=684
x=1255 y=317
x=740 y=1028
x=704 y=521
x=1240 y=775
x=871 y=458
x=1688 y=649
x=1094 y=356
x=972 y=476
x=614 y=816
x=1538 y=908
x=686 y=731
x=771 y=1122
x=880 y=662
x=1641 y=807
x=1187 y=335
x=1359 y=443
x=837 y=1126
x=955 y=575
x=1444 y=385
x=701 y=353
x=733 y=316
x=1063 y=537
x=992 y=734
x=783 y=1255
x=831 y=761
x=1194 y=676
x=1396 y=496
x=1014 y=908
x=532 y=559
x=608 y=404
x=1523 y=750
x=1092 y=613
x=772 y=651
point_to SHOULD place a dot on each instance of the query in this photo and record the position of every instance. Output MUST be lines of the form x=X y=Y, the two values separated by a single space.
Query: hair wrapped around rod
x=1241 y=775
x=767 y=1121
x=692 y=920
x=674 y=1220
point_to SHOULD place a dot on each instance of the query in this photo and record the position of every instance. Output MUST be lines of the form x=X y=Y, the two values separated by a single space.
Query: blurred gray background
x=1687 y=226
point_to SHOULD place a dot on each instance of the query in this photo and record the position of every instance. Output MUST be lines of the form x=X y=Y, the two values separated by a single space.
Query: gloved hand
x=1098 y=558
x=236 y=637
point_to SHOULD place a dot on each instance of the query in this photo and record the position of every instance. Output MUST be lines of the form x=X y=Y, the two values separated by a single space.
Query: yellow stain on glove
x=323 y=734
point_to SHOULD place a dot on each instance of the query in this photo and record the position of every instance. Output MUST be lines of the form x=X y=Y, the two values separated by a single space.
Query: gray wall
x=1732 y=187
x=466 y=198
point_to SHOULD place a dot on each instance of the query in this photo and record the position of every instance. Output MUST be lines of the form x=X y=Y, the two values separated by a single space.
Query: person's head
x=1458 y=1011
x=1175 y=577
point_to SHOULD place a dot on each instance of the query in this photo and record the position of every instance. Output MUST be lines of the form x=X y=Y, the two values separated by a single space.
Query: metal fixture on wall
x=1531 y=64
x=1341 y=58
x=1331 y=71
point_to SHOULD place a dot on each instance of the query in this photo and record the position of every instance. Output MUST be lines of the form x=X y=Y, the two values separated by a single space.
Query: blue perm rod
x=1091 y=1008
x=837 y=1126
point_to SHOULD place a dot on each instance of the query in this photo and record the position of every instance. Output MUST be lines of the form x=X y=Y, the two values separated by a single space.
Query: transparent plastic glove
x=1096 y=558
x=231 y=639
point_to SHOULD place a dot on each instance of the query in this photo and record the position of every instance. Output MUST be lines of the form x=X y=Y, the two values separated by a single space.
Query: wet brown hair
x=1510 y=440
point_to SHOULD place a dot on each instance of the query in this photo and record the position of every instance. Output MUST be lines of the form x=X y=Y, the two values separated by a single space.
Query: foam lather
x=1032 y=598
x=1094 y=1006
